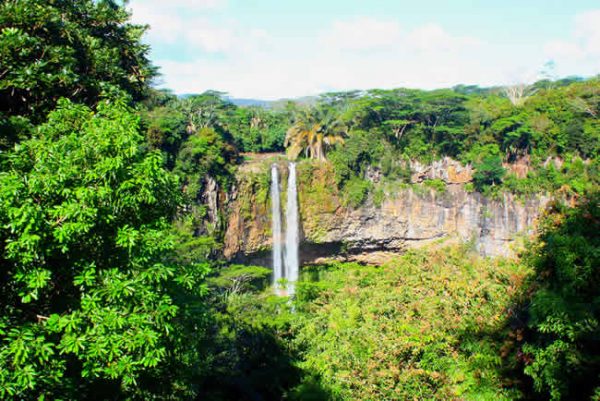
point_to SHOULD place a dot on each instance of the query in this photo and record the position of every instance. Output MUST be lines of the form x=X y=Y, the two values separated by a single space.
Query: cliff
x=406 y=216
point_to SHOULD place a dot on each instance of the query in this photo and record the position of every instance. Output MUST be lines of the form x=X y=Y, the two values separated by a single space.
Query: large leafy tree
x=204 y=154
x=561 y=351
x=88 y=293
x=70 y=48
x=165 y=124
x=207 y=110
x=488 y=172
x=257 y=129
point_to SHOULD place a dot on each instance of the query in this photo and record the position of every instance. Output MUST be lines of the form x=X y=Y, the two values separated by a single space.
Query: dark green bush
x=488 y=172
x=563 y=348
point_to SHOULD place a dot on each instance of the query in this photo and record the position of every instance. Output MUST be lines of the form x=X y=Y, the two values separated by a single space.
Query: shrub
x=488 y=172
x=437 y=184
x=356 y=191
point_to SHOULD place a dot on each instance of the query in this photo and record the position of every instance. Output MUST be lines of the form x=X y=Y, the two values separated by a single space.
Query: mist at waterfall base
x=287 y=253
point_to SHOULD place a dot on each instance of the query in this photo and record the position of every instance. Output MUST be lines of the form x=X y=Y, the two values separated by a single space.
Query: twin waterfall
x=285 y=259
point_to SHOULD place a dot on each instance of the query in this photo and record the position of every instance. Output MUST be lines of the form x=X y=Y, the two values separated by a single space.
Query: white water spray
x=276 y=227
x=291 y=231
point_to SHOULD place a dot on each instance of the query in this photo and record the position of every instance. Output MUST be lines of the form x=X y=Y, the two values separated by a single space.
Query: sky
x=273 y=49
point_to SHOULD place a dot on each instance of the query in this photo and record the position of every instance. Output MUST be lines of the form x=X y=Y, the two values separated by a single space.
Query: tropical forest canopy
x=112 y=280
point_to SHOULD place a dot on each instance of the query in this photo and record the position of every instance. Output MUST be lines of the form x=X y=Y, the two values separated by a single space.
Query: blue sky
x=273 y=49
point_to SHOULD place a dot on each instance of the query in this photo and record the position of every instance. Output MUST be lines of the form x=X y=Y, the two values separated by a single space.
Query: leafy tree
x=358 y=153
x=204 y=154
x=205 y=161
x=561 y=352
x=206 y=111
x=414 y=328
x=514 y=134
x=166 y=130
x=488 y=172
x=73 y=48
x=256 y=129
x=90 y=304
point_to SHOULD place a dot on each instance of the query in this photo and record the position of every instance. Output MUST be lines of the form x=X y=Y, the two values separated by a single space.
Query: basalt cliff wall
x=403 y=216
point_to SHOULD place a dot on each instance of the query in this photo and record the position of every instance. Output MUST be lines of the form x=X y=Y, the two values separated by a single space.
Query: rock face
x=413 y=216
x=448 y=170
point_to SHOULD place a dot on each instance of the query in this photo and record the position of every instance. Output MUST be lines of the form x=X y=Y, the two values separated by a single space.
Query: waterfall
x=285 y=267
x=291 y=231
x=276 y=227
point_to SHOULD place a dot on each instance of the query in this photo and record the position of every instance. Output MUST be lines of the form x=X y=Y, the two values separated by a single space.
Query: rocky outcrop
x=412 y=216
x=210 y=198
x=448 y=170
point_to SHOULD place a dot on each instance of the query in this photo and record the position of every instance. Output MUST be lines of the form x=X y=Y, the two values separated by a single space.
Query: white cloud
x=587 y=30
x=362 y=33
x=163 y=26
x=361 y=53
x=206 y=36
x=579 y=54
x=184 y=21
x=561 y=49
x=354 y=53
x=186 y=5
x=433 y=38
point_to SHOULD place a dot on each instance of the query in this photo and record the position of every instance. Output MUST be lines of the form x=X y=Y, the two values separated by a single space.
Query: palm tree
x=313 y=131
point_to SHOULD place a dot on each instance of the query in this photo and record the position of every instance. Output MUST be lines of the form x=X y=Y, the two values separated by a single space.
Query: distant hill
x=250 y=102
x=267 y=104
x=272 y=104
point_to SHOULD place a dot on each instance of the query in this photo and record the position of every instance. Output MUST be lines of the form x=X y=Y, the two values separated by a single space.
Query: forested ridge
x=113 y=284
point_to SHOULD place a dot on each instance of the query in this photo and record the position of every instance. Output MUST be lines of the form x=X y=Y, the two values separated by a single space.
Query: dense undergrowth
x=427 y=325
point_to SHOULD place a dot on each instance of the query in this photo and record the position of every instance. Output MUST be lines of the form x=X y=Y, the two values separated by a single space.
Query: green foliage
x=75 y=49
x=572 y=177
x=415 y=328
x=488 y=172
x=314 y=131
x=191 y=246
x=87 y=292
x=437 y=184
x=247 y=353
x=166 y=129
x=351 y=160
x=387 y=128
x=562 y=352
x=241 y=278
x=255 y=129
x=356 y=191
x=205 y=153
